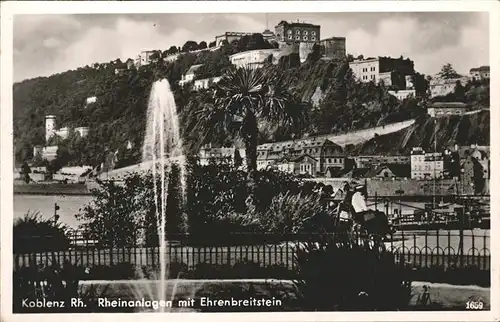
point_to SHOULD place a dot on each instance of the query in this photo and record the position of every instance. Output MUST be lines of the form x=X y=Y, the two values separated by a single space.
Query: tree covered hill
x=337 y=102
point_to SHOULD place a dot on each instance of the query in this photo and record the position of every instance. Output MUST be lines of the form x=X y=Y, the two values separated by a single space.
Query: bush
x=123 y=214
x=52 y=283
x=35 y=234
x=290 y=213
x=217 y=195
x=215 y=202
x=339 y=274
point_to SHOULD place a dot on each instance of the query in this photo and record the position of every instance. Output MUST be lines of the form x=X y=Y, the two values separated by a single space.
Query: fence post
x=461 y=247
x=111 y=254
x=474 y=257
x=484 y=247
x=415 y=253
x=438 y=255
x=449 y=248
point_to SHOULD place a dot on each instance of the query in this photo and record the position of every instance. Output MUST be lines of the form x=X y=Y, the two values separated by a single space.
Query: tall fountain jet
x=162 y=147
x=162 y=132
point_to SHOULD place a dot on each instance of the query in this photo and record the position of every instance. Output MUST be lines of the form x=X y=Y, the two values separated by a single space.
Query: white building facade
x=144 y=58
x=478 y=73
x=190 y=74
x=254 y=58
x=443 y=87
x=208 y=154
x=51 y=129
x=443 y=109
x=426 y=166
x=366 y=70
x=205 y=83
x=403 y=94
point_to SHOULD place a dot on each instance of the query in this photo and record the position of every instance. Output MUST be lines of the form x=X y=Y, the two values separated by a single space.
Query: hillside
x=461 y=130
x=338 y=103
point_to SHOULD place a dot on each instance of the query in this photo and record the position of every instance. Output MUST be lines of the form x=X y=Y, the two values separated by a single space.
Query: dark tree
x=459 y=92
x=172 y=50
x=238 y=160
x=240 y=100
x=25 y=172
x=189 y=46
x=202 y=45
x=447 y=72
x=420 y=84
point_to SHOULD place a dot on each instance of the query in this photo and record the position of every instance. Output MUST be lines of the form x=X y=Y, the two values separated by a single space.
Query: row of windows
x=383 y=160
x=304 y=32
x=310 y=150
x=305 y=38
x=427 y=167
x=305 y=167
x=422 y=159
x=365 y=77
x=425 y=174
x=372 y=69
x=335 y=160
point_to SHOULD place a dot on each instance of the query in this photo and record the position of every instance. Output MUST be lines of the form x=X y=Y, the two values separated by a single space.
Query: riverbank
x=52 y=188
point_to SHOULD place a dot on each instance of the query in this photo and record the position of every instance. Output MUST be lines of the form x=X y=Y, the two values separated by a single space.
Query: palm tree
x=243 y=98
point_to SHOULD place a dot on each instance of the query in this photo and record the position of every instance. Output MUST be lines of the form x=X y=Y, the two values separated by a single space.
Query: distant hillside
x=460 y=130
x=338 y=103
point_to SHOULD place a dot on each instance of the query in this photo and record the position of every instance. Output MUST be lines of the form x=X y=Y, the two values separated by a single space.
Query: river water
x=69 y=206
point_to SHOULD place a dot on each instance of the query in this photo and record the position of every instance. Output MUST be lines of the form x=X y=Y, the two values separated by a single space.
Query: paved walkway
x=445 y=295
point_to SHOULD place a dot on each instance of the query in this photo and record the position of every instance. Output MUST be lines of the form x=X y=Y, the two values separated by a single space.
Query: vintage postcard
x=271 y=160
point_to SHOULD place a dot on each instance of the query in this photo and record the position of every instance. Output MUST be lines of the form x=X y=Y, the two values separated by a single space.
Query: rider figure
x=353 y=207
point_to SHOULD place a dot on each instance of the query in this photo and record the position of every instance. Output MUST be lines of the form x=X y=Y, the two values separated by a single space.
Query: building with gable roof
x=188 y=77
x=478 y=73
x=326 y=154
x=442 y=109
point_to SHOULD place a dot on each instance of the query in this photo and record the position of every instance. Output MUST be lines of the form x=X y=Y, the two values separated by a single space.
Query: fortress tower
x=50 y=127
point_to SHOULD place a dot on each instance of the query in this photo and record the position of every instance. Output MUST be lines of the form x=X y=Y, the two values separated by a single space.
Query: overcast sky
x=48 y=44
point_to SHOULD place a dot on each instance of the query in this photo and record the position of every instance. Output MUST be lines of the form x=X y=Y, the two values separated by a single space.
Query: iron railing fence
x=421 y=249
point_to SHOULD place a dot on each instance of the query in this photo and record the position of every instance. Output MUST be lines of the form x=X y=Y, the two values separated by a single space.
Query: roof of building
x=298 y=144
x=417 y=151
x=291 y=158
x=438 y=81
x=399 y=170
x=357 y=173
x=267 y=32
x=464 y=152
x=411 y=187
x=234 y=33
x=335 y=172
x=193 y=69
x=448 y=105
x=296 y=24
x=50 y=149
x=364 y=60
x=481 y=69
x=268 y=50
x=333 y=38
